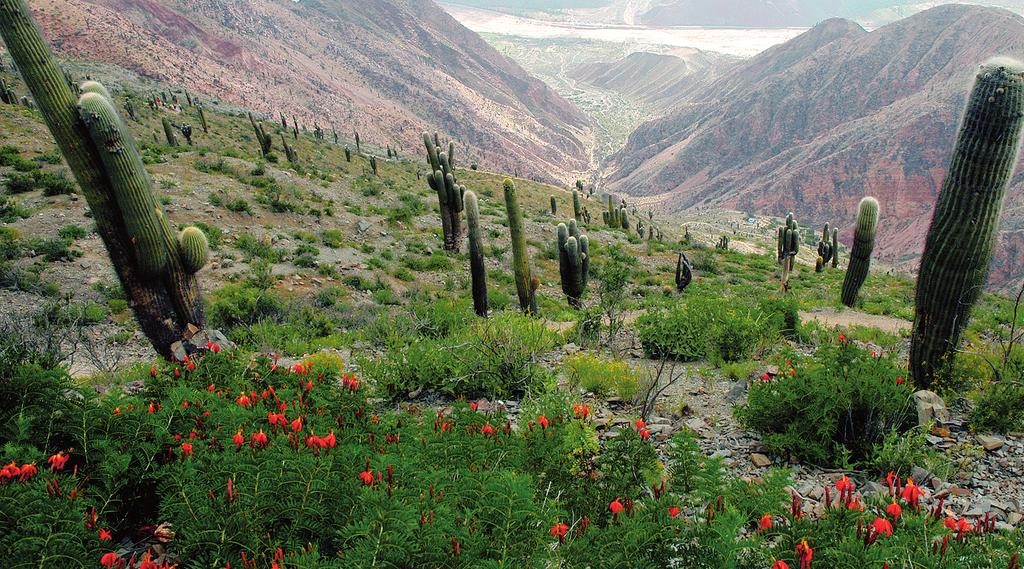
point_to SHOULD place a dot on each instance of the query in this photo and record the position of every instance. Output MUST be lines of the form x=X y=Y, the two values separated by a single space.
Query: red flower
x=804 y=554
x=213 y=347
x=844 y=484
x=177 y=372
x=10 y=472
x=765 y=523
x=330 y=441
x=488 y=430
x=766 y=378
x=780 y=564
x=792 y=371
x=260 y=438
x=894 y=510
x=473 y=405
x=367 y=477
x=57 y=461
x=581 y=411
x=186 y=450
x=152 y=371
x=842 y=338
x=151 y=409
x=673 y=512
x=239 y=439
x=912 y=493
x=28 y=471
x=299 y=369
x=543 y=422
x=640 y=424
x=882 y=526
x=242 y=400
x=297 y=424
x=559 y=530
x=108 y=560
x=212 y=387
x=190 y=365
x=105 y=535
x=616 y=507
x=900 y=380
x=645 y=434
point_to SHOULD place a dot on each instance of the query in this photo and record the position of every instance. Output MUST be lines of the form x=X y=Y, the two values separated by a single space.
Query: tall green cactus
x=863 y=245
x=172 y=140
x=477 y=270
x=824 y=248
x=348 y=154
x=835 y=247
x=958 y=248
x=577 y=207
x=573 y=262
x=788 y=248
x=202 y=119
x=526 y=286
x=612 y=219
x=449 y=192
x=164 y=305
x=623 y=218
x=554 y=206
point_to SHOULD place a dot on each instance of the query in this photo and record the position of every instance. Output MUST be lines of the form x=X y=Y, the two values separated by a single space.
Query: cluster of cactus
x=958 y=248
x=863 y=245
x=723 y=243
x=7 y=93
x=373 y=165
x=264 y=139
x=828 y=249
x=477 y=271
x=155 y=266
x=348 y=154
x=289 y=151
x=573 y=262
x=526 y=283
x=318 y=133
x=359 y=144
x=186 y=131
x=449 y=192
x=684 y=272
x=787 y=247
x=392 y=153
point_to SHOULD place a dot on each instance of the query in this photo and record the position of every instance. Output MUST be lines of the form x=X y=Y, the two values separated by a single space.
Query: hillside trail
x=845 y=318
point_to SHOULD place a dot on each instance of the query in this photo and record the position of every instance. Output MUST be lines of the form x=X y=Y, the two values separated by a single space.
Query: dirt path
x=847 y=317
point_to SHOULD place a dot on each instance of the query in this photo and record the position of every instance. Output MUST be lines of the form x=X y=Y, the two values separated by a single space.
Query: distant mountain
x=653 y=78
x=757 y=13
x=816 y=123
x=388 y=68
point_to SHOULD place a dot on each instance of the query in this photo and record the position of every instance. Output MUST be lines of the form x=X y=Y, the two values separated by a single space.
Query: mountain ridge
x=833 y=115
x=416 y=69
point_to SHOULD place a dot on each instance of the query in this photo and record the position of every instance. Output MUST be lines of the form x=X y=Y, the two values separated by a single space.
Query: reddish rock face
x=387 y=68
x=835 y=114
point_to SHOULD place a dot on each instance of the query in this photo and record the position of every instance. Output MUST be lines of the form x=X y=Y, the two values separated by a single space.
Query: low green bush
x=242 y=305
x=832 y=408
x=602 y=378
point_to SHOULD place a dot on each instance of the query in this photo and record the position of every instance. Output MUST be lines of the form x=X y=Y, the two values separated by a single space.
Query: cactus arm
x=194 y=248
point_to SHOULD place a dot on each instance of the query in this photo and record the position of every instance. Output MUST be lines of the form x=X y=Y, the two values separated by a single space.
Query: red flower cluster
x=581 y=411
x=559 y=530
x=12 y=472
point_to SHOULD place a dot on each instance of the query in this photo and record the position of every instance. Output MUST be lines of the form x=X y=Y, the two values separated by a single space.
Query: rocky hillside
x=415 y=69
x=837 y=113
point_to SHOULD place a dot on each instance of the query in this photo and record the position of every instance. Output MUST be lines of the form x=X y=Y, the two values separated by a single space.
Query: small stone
x=760 y=460
x=991 y=442
x=362 y=225
x=930 y=407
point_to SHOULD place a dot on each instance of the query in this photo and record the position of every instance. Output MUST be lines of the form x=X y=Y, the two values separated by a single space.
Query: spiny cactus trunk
x=835 y=247
x=477 y=270
x=554 y=206
x=684 y=272
x=573 y=262
x=526 y=286
x=169 y=132
x=449 y=192
x=958 y=248
x=202 y=120
x=164 y=307
x=860 y=255
x=577 y=212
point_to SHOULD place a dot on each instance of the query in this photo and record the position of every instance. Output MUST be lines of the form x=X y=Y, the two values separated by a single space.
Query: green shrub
x=54 y=250
x=333 y=238
x=602 y=378
x=239 y=205
x=55 y=183
x=72 y=232
x=832 y=408
x=998 y=407
x=700 y=327
x=242 y=305
x=18 y=183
